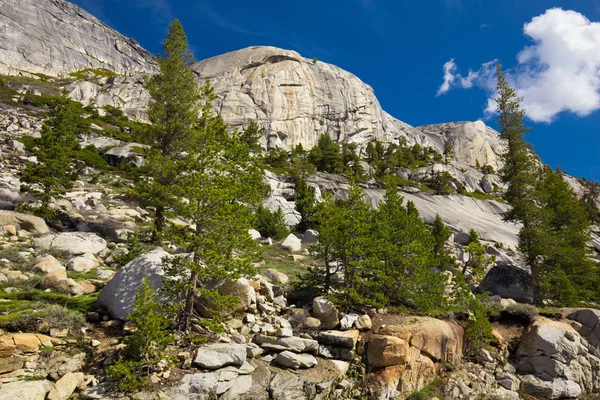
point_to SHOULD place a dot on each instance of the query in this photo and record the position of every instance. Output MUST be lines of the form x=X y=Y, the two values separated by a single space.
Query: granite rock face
x=55 y=37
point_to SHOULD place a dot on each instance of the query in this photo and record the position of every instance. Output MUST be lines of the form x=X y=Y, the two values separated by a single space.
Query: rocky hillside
x=68 y=285
x=56 y=38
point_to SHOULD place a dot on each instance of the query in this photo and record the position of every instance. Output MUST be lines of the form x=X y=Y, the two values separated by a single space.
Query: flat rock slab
x=25 y=390
x=346 y=339
x=295 y=344
x=292 y=360
x=72 y=242
x=32 y=224
x=218 y=355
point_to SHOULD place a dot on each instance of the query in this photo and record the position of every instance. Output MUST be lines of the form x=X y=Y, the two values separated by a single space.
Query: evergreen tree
x=221 y=185
x=305 y=202
x=440 y=183
x=520 y=174
x=342 y=243
x=566 y=267
x=271 y=224
x=448 y=151
x=478 y=259
x=402 y=259
x=351 y=160
x=53 y=173
x=327 y=156
x=150 y=337
x=146 y=345
x=441 y=234
x=173 y=113
x=412 y=209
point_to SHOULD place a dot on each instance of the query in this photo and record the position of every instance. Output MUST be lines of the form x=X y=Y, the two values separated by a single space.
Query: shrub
x=59 y=317
x=271 y=224
x=127 y=376
x=89 y=155
x=526 y=312
x=28 y=141
x=478 y=331
x=150 y=338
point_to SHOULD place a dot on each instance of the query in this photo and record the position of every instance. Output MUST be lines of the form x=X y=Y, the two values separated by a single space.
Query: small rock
x=363 y=323
x=48 y=264
x=292 y=360
x=277 y=277
x=347 y=321
x=95 y=343
x=326 y=312
x=218 y=355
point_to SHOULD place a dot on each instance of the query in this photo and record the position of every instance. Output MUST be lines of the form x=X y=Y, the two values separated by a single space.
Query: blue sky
x=405 y=49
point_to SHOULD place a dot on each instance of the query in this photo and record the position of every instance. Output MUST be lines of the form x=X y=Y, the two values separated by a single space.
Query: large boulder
x=118 y=295
x=588 y=325
x=48 y=264
x=30 y=390
x=437 y=339
x=384 y=351
x=65 y=386
x=72 y=242
x=30 y=223
x=557 y=361
x=295 y=344
x=241 y=289
x=508 y=281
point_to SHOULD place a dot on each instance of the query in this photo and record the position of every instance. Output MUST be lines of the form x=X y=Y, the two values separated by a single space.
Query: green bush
x=128 y=376
x=89 y=155
x=478 y=331
x=271 y=224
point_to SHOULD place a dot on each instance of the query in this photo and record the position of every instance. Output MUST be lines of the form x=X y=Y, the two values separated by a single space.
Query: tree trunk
x=159 y=223
x=189 y=303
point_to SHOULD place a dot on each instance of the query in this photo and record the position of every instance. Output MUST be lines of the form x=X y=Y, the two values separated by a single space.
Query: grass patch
x=81 y=303
x=89 y=73
x=17 y=261
x=282 y=261
x=78 y=276
x=479 y=195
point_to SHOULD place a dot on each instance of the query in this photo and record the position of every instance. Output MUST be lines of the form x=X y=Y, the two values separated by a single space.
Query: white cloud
x=449 y=77
x=483 y=77
x=559 y=72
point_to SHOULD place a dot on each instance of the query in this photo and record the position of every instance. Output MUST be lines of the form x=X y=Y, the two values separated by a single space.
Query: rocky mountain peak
x=296 y=99
x=55 y=37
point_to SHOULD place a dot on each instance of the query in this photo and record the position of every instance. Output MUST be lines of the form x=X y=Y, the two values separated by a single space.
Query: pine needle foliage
x=53 y=173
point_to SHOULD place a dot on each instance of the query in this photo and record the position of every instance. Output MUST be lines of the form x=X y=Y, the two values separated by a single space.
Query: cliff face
x=296 y=100
x=55 y=37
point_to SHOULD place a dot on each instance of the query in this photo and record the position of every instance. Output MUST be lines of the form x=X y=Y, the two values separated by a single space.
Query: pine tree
x=327 y=155
x=173 y=113
x=151 y=336
x=448 y=151
x=305 y=202
x=145 y=346
x=441 y=234
x=342 y=244
x=221 y=186
x=53 y=172
x=271 y=224
x=566 y=268
x=401 y=259
x=478 y=259
x=520 y=174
